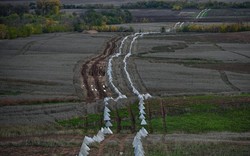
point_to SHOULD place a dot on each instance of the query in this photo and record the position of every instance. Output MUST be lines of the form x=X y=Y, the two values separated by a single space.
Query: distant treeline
x=89 y=6
x=92 y=19
x=8 y=9
x=18 y=21
x=215 y=28
x=178 y=5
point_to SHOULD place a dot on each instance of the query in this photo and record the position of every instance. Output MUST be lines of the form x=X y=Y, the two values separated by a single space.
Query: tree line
x=20 y=21
x=178 y=5
x=92 y=19
x=215 y=28
x=89 y=6
x=175 y=5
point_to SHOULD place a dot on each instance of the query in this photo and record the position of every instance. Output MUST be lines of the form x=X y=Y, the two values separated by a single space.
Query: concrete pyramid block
x=142 y=117
x=144 y=130
x=110 y=131
x=141 y=107
x=106 y=109
x=108 y=124
x=143 y=122
x=88 y=140
x=142 y=111
x=107 y=130
x=147 y=96
x=106 y=116
x=143 y=133
x=141 y=102
x=84 y=150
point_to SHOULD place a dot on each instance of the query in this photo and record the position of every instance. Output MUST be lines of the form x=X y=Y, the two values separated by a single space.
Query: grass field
x=194 y=114
x=195 y=125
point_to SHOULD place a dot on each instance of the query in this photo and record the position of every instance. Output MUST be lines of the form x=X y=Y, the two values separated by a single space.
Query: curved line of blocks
x=137 y=144
x=84 y=151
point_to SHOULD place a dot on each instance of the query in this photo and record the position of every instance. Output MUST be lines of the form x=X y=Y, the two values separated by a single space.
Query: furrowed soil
x=188 y=15
x=40 y=76
x=207 y=63
x=44 y=80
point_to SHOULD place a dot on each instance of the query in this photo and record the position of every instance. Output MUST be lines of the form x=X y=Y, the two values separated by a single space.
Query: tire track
x=93 y=72
x=26 y=47
x=102 y=145
x=90 y=93
x=123 y=142
x=225 y=79
x=97 y=71
x=237 y=53
x=118 y=76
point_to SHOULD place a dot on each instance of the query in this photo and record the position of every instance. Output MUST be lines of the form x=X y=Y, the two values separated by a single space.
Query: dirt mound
x=91 y=32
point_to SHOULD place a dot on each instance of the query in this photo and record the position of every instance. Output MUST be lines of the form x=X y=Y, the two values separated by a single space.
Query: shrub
x=177 y=7
x=37 y=29
x=3 y=31
x=24 y=31
x=12 y=33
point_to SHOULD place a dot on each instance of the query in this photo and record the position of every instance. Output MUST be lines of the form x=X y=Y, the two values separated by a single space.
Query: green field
x=193 y=114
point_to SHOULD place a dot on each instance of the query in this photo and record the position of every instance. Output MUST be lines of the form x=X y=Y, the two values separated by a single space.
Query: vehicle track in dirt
x=119 y=75
x=225 y=79
x=102 y=145
x=94 y=74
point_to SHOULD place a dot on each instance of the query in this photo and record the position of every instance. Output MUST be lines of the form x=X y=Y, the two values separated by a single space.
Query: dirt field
x=194 y=144
x=43 y=66
x=48 y=77
x=40 y=70
x=188 y=15
x=167 y=64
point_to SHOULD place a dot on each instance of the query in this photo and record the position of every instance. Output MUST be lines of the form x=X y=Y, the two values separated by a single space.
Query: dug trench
x=93 y=73
x=91 y=82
